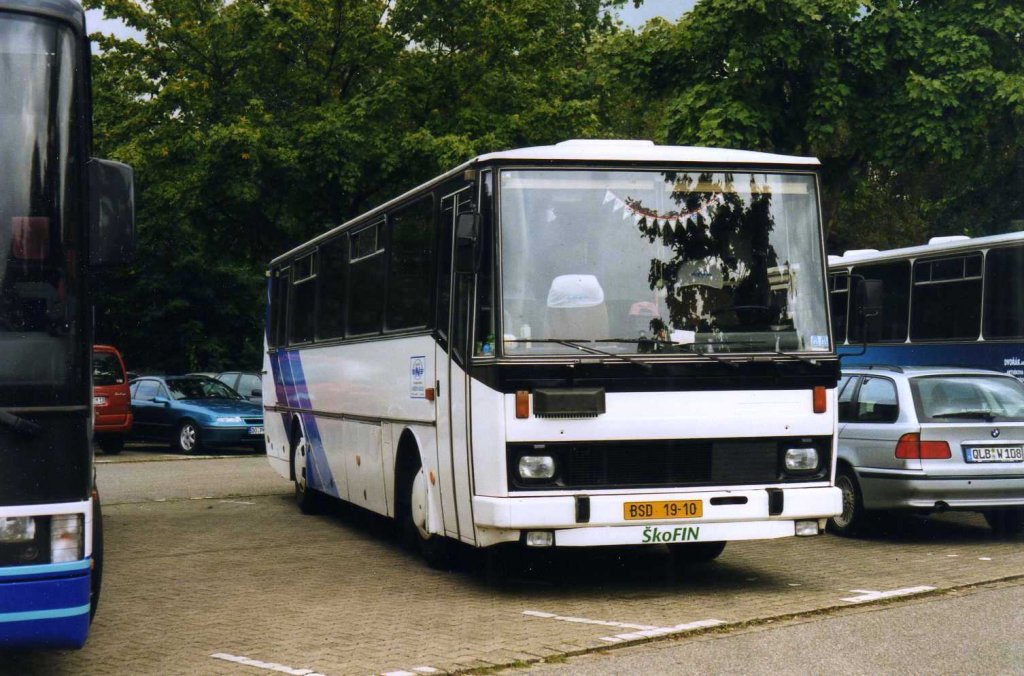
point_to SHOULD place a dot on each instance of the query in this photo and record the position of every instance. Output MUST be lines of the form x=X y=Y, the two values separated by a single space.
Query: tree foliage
x=256 y=124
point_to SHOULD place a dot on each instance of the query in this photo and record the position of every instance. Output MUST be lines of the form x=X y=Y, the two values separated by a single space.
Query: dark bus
x=62 y=215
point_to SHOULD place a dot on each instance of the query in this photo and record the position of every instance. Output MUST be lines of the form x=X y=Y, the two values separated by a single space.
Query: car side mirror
x=256 y=393
x=467 y=243
x=111 y=212
x=161 y=400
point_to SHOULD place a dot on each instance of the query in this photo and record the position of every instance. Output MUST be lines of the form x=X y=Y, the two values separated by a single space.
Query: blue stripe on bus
x=1003 y=357
x=44 y=569
x=50 y=614
x=319 y=475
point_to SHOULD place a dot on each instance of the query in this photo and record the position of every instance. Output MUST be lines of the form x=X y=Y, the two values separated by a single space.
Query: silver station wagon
x=929 y=439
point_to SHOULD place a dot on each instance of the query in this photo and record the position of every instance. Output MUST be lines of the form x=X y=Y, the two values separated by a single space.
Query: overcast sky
x=669 y=9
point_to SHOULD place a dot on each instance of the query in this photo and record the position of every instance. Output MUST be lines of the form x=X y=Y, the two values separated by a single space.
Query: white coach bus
x=591 y=343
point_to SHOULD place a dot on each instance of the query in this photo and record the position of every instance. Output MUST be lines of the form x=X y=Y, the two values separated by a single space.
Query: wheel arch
x=408 y=459
x=294 y=428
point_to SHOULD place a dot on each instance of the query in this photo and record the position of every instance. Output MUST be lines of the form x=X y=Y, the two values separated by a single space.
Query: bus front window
x=644 y=261
x=38 y=240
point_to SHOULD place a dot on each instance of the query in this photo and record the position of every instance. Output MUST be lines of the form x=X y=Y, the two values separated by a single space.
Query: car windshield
x=106 y=369
x=649 y=261
x=200 y=388
x=968 y=397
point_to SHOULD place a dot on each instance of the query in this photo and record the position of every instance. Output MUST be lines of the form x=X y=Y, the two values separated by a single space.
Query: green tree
x=256 y=124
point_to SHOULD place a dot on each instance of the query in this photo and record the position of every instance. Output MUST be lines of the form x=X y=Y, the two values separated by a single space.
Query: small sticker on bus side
x=417 y=377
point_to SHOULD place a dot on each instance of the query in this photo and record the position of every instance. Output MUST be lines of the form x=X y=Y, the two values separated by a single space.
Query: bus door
x=455 y=297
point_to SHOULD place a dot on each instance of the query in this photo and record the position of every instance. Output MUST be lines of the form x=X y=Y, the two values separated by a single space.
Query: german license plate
x=256 y=431
x=664 y=509
x=994 y=453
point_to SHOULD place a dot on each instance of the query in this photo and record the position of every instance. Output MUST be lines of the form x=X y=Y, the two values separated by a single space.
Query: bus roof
x=944 y=245
x=644 y=151
x=588 y=150
x=66 y=10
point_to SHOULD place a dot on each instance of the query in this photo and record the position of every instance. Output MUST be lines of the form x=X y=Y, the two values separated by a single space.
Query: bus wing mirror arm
x=868 y=304
x=111 y=212
x=467 y=242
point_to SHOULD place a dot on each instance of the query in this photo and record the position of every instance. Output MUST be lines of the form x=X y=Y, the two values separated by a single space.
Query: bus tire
x=851 y=520
x=187 y=440
x=686 y=553
x=435 y=549
x=1007 y=522
x=309 y=500
x=96 y=581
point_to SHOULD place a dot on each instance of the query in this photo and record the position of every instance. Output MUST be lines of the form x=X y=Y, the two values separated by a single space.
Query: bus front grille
x=664 y=463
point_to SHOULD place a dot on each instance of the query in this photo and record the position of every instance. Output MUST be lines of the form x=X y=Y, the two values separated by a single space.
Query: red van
x=112 y=402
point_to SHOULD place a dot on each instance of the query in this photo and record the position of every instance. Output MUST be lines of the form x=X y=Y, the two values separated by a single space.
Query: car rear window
x=972 y=398
x=106 y=369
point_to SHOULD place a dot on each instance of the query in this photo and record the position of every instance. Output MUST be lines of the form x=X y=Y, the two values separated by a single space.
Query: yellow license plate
x=666 y=509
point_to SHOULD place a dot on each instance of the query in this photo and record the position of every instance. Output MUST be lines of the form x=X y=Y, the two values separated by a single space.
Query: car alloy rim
x=188 y=437
x=846 y=487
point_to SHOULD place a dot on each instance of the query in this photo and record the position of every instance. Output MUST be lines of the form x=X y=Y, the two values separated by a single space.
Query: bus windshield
x=39 y=282
x=646 y=261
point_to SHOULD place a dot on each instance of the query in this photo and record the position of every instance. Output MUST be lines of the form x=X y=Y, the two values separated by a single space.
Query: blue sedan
x=193 y=412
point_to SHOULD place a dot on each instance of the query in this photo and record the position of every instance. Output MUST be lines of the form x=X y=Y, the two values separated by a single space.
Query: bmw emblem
x=995 y=433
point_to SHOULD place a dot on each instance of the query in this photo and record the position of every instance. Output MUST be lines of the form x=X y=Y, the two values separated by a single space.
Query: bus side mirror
x=467 y=239
x=868 y=299
x=111 y=212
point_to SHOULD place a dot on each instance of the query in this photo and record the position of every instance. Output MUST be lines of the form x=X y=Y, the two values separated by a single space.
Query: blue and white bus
x=591 y=343
x=956 y=301
x=62 y=214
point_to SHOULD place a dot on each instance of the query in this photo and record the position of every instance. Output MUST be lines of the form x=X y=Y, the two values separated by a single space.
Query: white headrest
x=572 y=291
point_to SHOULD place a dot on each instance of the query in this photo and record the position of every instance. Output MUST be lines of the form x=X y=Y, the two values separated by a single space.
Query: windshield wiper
x=19 y=424
x=578 y=344
x=984 y=415
x=689 y=347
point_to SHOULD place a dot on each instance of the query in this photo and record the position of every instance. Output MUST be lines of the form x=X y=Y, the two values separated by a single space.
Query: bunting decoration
x=631 y=210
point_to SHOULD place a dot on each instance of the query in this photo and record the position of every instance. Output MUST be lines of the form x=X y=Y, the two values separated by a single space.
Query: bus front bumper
x=725 y=516
x=45 y=606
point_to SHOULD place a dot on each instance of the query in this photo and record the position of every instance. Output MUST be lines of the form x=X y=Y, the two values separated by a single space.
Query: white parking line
x=869 y=595
x=643 y=630
x=269 y=666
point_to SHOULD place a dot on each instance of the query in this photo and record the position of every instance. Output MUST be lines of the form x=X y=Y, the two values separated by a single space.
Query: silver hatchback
x=929 y=439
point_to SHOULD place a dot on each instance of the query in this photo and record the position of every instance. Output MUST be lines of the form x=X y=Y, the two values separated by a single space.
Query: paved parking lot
x=248 y=585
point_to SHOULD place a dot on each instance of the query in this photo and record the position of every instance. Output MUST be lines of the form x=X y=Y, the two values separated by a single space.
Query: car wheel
x=187 y=440
x=435 y=549
x=851 y=519
x=687 y=553
x=112 y=444
x=309 y=500
x=1007 y=522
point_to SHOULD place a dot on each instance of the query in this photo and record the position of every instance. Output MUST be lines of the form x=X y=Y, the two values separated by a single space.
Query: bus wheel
x=308 y=499
x=97 y=555
x=1007 y=522
x=187 y=441
x=686 y=553
x=435 y=549
x=851 y=519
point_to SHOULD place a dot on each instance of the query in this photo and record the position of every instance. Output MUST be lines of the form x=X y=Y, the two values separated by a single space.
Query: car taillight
x=910 y=447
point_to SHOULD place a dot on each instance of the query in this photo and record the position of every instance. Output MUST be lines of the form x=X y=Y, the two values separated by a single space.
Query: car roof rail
x=884 y=367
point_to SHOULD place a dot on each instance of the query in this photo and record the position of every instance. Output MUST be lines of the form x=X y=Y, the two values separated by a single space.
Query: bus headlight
x=66 y=538
x=17 y=528
x=801 y=459
x=536 y=467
